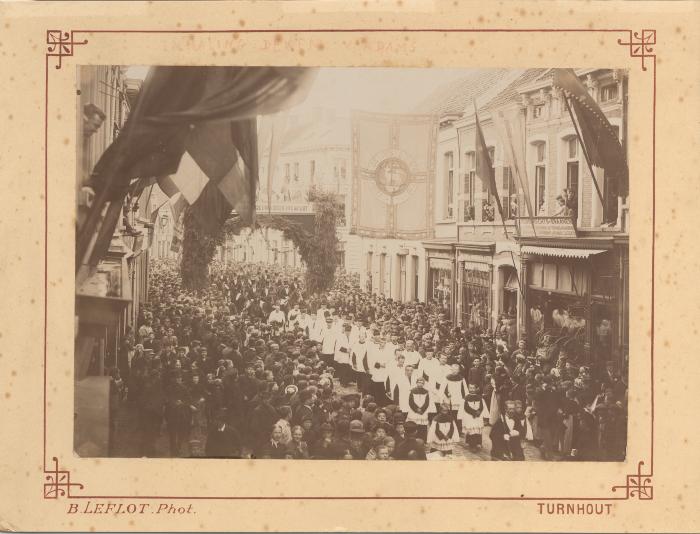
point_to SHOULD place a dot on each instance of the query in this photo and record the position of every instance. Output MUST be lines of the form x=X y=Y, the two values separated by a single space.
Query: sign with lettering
x=546 y=227
x=284 y=207
x=439 y=263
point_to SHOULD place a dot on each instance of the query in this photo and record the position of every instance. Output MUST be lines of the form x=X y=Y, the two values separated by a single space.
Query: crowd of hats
x=251 y=372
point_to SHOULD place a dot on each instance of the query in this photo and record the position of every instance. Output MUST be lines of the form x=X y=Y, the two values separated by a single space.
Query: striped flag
x=510 y=126
x=208 y=113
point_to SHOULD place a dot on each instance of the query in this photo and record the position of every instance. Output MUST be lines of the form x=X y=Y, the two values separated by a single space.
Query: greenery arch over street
x=318 y=249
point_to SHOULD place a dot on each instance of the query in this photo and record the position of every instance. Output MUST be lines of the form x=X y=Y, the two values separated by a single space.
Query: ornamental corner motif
x=641 y=44
x=60 y=44
x=638 y=485
x=57 y=482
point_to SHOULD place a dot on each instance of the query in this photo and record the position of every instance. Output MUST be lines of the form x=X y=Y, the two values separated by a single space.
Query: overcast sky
x=391 y=90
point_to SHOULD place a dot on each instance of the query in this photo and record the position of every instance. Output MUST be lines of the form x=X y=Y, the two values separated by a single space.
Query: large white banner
x=393 y=175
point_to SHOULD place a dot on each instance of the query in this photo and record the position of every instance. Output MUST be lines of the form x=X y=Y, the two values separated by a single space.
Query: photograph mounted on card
x=277 y=261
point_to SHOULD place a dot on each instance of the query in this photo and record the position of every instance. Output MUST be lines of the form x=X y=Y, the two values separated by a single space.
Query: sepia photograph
x=352 y=263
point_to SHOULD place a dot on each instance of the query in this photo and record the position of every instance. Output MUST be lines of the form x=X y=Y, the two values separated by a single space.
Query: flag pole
x=585 y=152
x=492 y=178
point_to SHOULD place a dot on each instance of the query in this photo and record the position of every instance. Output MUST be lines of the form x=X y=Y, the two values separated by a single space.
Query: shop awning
x=580 y=253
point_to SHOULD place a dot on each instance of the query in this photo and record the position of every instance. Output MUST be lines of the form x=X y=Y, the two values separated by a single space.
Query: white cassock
x=316 y=327
x=420 y=405
x=401 y=387
x=328 y=340
x=454 y=391
x=375 y=358
x=359 y=359
x=412 y=358
x=394 y=373
x=443 y=433
x=342 y=349
x=429 y=369
x=276 y=316
x=472 y=423
x=441 y=372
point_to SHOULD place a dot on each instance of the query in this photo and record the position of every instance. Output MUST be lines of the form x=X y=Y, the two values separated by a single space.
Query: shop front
x=573 y=301
x=475 y=283
x=441 y=275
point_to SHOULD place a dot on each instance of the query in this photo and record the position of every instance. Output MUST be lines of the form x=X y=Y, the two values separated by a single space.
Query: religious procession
x=270 y=268
x=251 y=368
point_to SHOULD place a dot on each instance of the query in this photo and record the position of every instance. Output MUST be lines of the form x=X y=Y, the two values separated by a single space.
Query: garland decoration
x=318 y=249
x=198 y=249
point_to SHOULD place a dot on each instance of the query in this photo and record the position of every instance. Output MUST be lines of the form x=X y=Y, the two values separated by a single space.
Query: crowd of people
x=253 y=366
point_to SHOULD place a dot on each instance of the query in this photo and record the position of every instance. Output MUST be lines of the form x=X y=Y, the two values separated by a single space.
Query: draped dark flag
x=597 y=134
x=208 y=112
x=484 y=166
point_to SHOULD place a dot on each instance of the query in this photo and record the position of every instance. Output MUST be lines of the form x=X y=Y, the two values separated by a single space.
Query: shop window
x=475 y=298
x=550 y=275
x=535 y=274
x=555 y=318
x=441 y=287
x=564 y=280
x=511 y=287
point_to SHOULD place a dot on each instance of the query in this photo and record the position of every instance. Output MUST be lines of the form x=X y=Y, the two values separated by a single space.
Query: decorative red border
x=60 y=44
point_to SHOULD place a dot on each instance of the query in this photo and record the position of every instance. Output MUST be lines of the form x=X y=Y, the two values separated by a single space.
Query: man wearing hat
x=326 y=447
x=178 y=413
x=305 y=410
x=223 y=440
x=412 y=447
x=357 y=444
x=547 y=403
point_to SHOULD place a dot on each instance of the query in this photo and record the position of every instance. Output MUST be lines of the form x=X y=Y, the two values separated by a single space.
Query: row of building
x=543 y=278
x=109 y=293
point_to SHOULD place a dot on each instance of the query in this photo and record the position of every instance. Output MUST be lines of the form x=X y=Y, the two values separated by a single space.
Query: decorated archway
x=317 y=242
